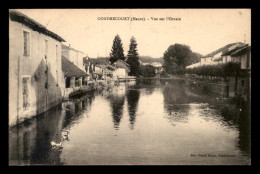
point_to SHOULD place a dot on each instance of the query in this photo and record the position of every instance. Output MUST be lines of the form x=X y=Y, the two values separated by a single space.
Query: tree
x=147 y=71
x=195 y=57
x=176 y=57
x=133 y=58
x=117 y=51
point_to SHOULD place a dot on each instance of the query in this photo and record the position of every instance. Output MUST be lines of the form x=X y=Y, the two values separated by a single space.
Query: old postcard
x=129 y=87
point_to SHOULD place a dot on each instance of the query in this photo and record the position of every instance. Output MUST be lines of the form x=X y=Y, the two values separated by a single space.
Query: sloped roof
x=218 y=59
x=229 y=52
x=65 y=47
x=105 y=66
x=101 y=66
x=69 y=69
x=121 y=64
x=21 y=18
x=242 y=50
x=119 y=60
x=222 y=49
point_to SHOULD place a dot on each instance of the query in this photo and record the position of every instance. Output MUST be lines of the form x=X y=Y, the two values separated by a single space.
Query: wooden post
x=80 y=82
x=72 y=82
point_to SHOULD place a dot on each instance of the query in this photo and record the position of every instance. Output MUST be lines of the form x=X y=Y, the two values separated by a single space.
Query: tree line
x=174 y=59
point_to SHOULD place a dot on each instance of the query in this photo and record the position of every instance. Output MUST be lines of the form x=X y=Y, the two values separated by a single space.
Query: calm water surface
x=153 y=122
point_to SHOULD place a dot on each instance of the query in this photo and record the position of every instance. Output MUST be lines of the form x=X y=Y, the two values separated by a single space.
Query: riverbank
x=229 y=87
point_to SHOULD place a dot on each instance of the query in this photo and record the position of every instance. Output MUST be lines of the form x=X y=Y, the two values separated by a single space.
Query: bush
x=147 y=71
x=222 y=70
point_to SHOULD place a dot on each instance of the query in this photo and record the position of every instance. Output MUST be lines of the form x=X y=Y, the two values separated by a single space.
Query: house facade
x=220 y=56
x=193 y=65
x=75 y=78
x=74 y=56
x=36 y=80
x=122 y=69
x=226 y=56
x=106 y=72
x=243 y=55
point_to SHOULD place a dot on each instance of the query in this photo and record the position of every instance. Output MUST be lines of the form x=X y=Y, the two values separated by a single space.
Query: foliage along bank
x=220 y=70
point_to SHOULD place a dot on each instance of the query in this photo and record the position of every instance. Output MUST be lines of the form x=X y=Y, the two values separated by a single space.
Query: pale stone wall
x=119 y=73
x=74 y=56
x=40 y=99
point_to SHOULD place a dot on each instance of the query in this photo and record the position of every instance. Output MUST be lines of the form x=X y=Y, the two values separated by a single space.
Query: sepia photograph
x=129 y=87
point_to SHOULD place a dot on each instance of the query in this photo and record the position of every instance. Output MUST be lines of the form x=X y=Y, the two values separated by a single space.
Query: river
x=158 y=122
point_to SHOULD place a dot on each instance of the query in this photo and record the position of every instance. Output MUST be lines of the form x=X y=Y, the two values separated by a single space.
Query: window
x=46 y=48
x=57 y=78
x=57 y=54
x=26 y=81
x=67 y=82
x=26 y=39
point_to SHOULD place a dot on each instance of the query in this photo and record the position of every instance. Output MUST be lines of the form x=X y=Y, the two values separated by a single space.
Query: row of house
x=109 y=72
x=237 y=53
x=221 y=56
x=43 y=70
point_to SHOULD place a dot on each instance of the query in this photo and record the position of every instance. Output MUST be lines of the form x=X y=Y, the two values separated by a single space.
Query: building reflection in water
x=29 y=142
x=239 y=115
x=235 y=114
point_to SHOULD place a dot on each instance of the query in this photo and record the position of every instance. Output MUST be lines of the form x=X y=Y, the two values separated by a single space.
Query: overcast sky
x=204 y=30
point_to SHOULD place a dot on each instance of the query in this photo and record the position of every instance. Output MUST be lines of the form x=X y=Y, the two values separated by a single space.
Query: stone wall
x=45 y=76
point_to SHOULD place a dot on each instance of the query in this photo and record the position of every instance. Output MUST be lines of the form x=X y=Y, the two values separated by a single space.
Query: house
x=215 y=57
x=74 y=56
x=226 y=56
x=156 y=64
x=75 y=78
x=35 y=74
x=122 y=69
x=193 y=65
x=243 y=55
x=105 y=71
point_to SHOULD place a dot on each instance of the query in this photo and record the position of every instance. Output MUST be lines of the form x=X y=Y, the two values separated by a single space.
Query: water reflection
x=238 y=115
x=117 y=101
x=231 y=114
x=132 y=97
x=184 y=120
x=148 y=86
x=29 y=142
x=175 y=102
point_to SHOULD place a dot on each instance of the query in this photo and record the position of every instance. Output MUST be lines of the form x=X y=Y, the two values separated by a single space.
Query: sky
x=204 y=30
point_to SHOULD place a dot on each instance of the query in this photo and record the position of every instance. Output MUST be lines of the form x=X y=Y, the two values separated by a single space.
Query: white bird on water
x=54 y=144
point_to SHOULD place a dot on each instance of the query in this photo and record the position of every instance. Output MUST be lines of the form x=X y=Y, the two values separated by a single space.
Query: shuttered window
x=26 y=81
x=26 y=38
